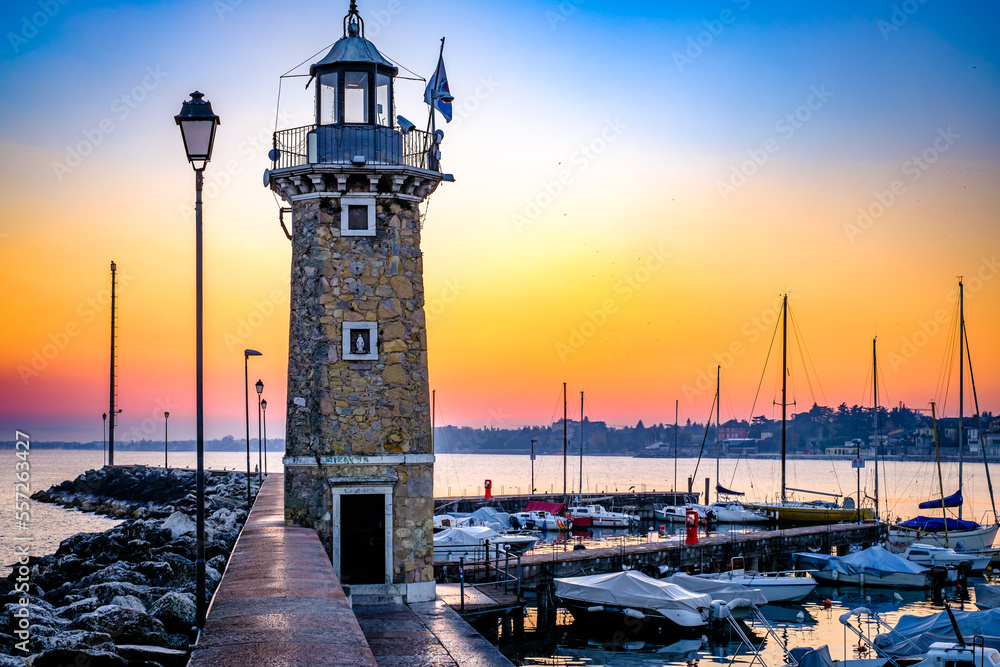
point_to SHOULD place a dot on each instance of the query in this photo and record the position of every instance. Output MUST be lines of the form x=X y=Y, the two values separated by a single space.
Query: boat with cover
x=478 y=542
x=630 y=596
x=960 y=534
x=739 y=599
x=917 y=636
x=732 y=511
x=598 y=517
x=874 y=566
x=538 y=515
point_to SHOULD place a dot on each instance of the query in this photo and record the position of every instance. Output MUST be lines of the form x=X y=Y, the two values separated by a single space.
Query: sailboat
x=814 y=511
x=946 y=531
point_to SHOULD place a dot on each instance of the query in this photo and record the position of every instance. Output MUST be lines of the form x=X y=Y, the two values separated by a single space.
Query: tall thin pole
x=581 y=443
x=676 y=413
x=937 y=454
x=104 y=434
x=263 y=405
x=718 y=428
x=433 y=415
x=199 y=408
x=111 y=411
x=859 y=479
x=564 y=441
x=877 y=429
x=533 y=441
x=961 y=382
x=166 y=418
x=260 y=444
x=784 y=388
x=246 y=386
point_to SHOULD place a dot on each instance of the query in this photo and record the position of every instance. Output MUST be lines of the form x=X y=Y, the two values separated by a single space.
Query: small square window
x=360 y=341
x=357 y=216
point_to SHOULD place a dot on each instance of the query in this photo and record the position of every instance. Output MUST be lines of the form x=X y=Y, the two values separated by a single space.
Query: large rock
x=179 y=524
x=77 y=639
x=62 y=657
x=11 y=661
x=176 y=611
x=129 y=602
x=125 y=626
x=76 y=609
x=135 y=653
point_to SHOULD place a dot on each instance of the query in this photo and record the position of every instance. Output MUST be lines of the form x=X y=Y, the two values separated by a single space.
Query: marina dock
x=280 y=603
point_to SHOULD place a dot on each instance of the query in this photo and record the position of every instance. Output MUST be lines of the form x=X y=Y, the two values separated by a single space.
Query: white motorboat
x=631 y=597
x=598 y=517
x=932 y=554
x=678 y=513
x=740 y=600
x=542 y=520
x=478 y=542
x=789 y=586
x=733 y=512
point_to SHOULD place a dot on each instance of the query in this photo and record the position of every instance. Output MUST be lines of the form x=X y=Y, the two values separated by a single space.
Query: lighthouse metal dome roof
x=353 y=48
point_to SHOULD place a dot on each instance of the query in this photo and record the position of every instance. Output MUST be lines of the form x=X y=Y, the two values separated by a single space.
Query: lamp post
x=198 y=123
x=166 y=416
x=260 y=460
x=104 y=437
x=246 y=383
x=263 y=405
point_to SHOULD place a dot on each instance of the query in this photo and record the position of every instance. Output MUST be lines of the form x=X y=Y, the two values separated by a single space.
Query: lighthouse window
x=328 y=99
x=356 y=97
x=382 y=109
x=357 y=216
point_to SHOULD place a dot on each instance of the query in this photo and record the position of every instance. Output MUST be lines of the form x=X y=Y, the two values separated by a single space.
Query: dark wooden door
x=362 y=539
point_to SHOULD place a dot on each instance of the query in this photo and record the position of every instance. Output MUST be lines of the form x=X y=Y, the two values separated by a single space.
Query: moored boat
x=787 y=586
x=598 y=517
x=476 y=542
x=632 y=598
x=874 y=566
x=962 y=535
x=542 y=520
x=733 y=512
x=932 y=554
x=739 y=599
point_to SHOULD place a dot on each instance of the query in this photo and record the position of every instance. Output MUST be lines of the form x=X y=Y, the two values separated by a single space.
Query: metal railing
x=343 y=144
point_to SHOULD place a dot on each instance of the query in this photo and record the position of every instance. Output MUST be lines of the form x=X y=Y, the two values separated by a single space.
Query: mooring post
x=461 y=583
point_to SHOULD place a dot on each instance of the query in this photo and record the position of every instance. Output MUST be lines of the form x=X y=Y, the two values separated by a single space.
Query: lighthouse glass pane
x=356 y=97
x=382 y=110
x=328 y=99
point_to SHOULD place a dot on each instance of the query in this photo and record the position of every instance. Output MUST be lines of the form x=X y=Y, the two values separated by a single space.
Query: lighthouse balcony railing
x=350 y=144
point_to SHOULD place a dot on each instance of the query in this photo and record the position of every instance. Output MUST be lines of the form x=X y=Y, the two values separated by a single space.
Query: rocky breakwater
x=124 y=597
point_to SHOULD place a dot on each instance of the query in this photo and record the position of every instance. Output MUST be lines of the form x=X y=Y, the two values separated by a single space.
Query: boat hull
x=604 y=617
x=818 y=515
x=780 y=588
x=894 y=580
x=971 y=540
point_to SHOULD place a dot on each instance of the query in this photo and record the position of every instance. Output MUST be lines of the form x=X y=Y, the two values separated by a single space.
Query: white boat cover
x=471 y=536
x=631 y=589
x=717 y=590
x=488 y=516
x=913 y=635
x=809 y=657
x=874 y=561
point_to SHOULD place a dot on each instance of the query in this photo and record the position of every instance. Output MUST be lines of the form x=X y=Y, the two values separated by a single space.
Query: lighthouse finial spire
x=354 y=25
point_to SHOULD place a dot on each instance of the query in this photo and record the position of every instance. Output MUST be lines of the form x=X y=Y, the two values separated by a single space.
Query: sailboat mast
x=937 y=455
x=961 y=382
x=676 y=413
x=718 y=429
x=564 y=442
x=784 y=388
x=876 y=425
x=581 y=444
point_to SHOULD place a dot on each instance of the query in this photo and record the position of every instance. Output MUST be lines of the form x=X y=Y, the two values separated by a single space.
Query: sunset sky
x=635 y=186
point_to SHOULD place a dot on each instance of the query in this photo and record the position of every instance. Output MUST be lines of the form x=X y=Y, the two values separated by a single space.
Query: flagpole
x=432 y=123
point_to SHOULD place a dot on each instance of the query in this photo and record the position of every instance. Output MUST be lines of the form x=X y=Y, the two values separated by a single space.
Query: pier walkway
x=279 y=603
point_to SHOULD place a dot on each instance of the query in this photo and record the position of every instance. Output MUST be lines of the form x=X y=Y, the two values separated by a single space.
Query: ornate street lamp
x=263 y=405
x=246 y=381
x=198 y=122
x=260 y=461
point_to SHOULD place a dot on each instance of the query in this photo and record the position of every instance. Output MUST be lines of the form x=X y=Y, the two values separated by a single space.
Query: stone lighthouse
x=359 y=460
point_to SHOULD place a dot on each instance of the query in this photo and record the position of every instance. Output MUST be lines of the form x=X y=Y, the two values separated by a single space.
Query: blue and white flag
x=437 y=88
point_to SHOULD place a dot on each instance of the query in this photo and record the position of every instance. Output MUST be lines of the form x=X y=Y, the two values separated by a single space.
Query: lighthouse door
x=362 y=538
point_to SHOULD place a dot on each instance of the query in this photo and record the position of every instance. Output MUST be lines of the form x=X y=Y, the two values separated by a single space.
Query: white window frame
x=345 y=203
x=349 y=327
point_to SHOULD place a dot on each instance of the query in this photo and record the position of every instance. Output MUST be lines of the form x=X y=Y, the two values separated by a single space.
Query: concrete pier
x=280 y=603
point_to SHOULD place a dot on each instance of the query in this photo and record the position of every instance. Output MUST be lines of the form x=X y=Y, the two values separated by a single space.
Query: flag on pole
x=438 y=94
